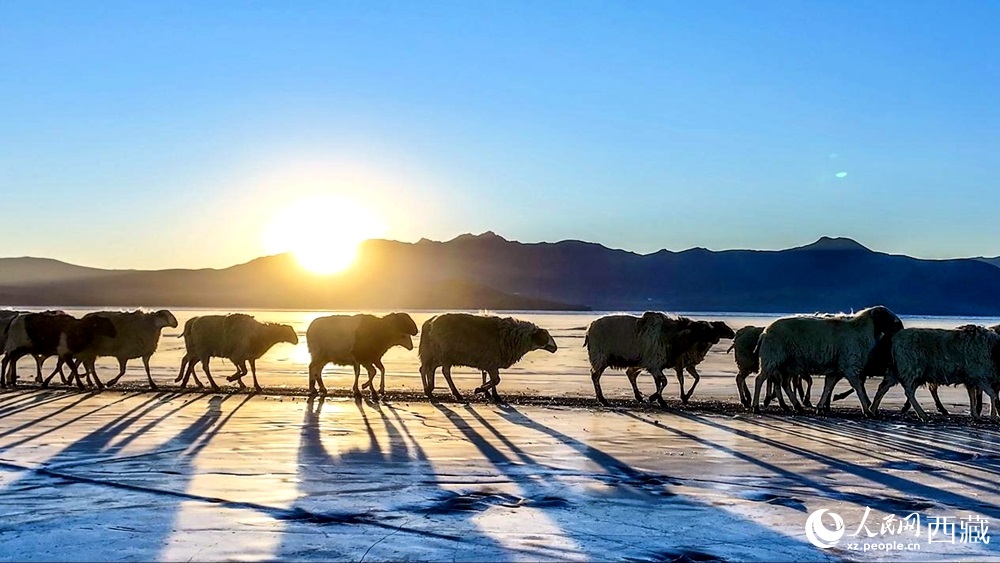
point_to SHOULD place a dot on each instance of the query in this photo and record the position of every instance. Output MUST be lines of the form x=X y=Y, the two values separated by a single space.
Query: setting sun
x=322 y=232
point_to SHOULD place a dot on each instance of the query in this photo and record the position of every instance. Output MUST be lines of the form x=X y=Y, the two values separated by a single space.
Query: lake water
x=563 y=374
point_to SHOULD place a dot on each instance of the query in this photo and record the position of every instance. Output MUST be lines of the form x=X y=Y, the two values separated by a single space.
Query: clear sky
x=169 y=134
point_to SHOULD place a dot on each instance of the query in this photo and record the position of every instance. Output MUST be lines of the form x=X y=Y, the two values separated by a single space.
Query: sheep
x=358 y=340
x=138 y=337
x=968 y=355
x=744 y=348
x=834 y=346
x=653 y=342
x=236 y=337
x=54 y=333
x=687 y=361
x=6 y=322
x=486 y=343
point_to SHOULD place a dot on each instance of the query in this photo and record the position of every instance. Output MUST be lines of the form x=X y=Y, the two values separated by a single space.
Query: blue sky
x=167 y=134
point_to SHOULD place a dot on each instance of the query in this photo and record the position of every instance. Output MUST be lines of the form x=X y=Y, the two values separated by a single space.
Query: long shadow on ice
x=618 y=511
x=382 y=483
x=115 y=494
x=911 y=495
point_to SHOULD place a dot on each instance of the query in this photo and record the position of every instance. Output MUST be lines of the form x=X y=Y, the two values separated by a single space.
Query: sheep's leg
x=149 y=377
x=191 y=373
x=697 y=378
x=427 y=376
x=771 y=393
x=38 y=368
x=595 y=376
x=122 y=362
x=97 y=381
x=208 y=373
x=680 y=382
x=3 y=373
x=829 y=383
x=989 y=390
x=241 y=371
x=372 y=372
x=381 y=383
x=633 y=378
x=757 y=384
x=253 y=371
x=911 y=396
x=357 y=376
x=491 y=386
x=742 y=388
x=661 y=384
x=807 y=393
x=975 y=401
x=788 y=385
x=859 y=388
x=933 y=388
x=883 y=388
x=180 y=373
x=446 y=370
x=316 y=377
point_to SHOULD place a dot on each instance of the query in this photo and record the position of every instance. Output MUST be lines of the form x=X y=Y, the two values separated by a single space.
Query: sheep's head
x=886 y=322
x=286 y=333
x=722 y=330
x=164 y=318
x=542 y=340
x=402 y=322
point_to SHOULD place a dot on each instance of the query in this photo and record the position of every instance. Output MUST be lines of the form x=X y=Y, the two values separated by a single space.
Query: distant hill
x=489 y=272
x=42 y=270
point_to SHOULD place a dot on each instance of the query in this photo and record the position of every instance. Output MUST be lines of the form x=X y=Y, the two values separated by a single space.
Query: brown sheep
x=687 y=361
x=653 y=342
x=237 y=337
x=486 y=343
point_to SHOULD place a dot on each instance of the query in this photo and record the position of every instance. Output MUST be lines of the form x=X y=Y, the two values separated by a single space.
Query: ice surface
x=169 y=476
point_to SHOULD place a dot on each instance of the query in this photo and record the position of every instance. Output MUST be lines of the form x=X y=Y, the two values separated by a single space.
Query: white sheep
x=653 y=342
x=138 y=335
x=356 y=340
x=968 y=355
x=836 y=346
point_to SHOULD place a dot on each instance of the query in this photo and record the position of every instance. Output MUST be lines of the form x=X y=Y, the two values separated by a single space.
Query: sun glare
x=322 y=232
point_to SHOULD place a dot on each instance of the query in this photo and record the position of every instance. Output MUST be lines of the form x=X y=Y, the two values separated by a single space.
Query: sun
x=323 y=232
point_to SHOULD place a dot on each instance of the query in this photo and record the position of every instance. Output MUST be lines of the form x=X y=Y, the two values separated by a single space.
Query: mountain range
x=487 y=271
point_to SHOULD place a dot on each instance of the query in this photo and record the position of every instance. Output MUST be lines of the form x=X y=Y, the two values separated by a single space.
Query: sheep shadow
x=382 y=484
x=91 y=492
x=574 y=499
x=897 y=494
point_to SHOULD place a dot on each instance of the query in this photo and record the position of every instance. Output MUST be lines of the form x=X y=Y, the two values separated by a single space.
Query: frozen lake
x=135 y=475
x=179 y=477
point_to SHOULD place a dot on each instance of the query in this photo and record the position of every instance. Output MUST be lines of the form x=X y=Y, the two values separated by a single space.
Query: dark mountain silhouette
x=488 y=271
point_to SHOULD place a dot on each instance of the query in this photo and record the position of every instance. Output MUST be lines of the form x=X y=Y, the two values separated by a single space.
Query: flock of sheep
x=786 y=354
